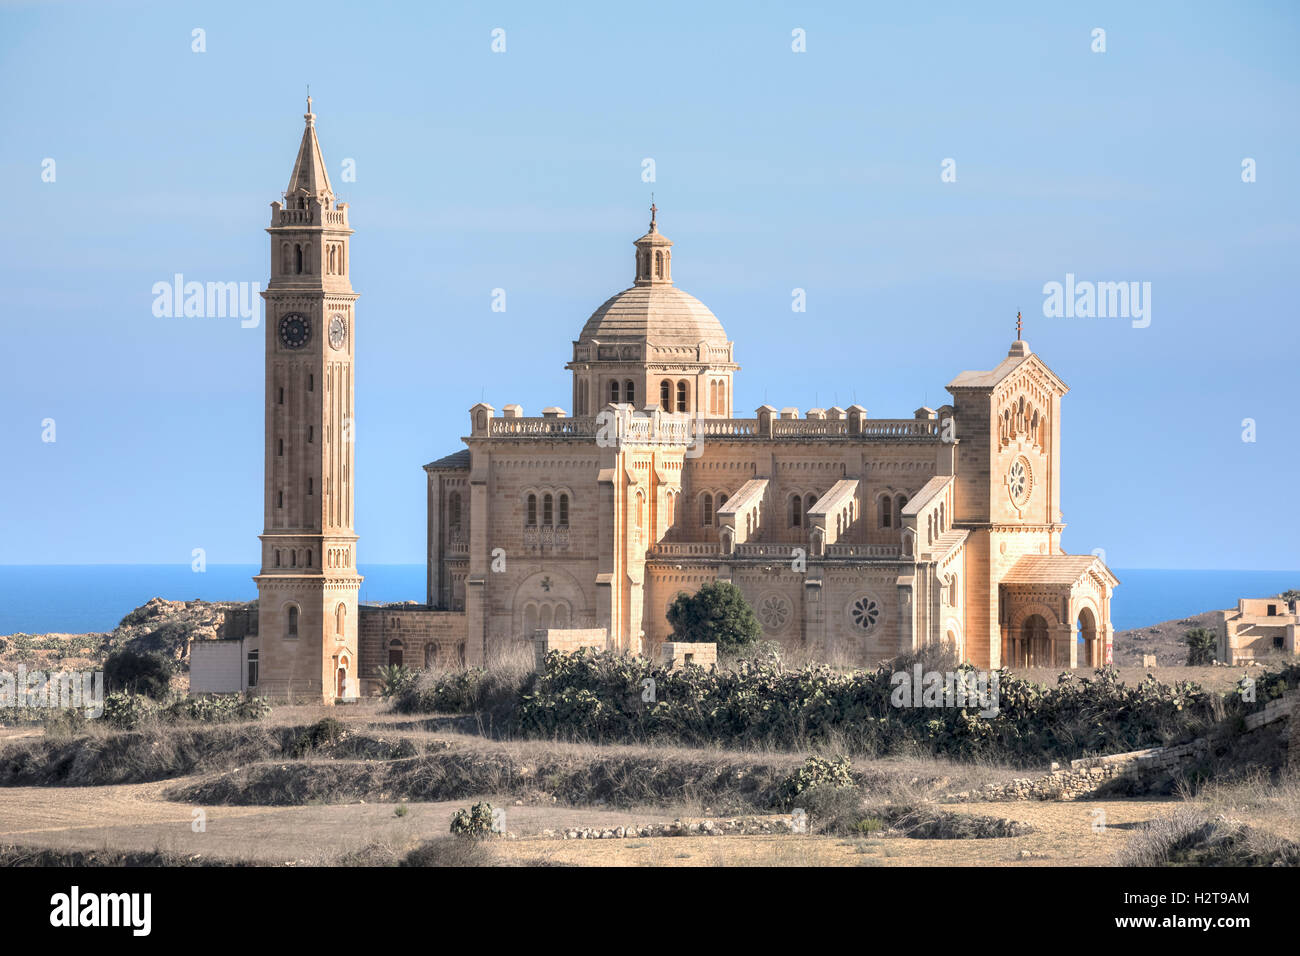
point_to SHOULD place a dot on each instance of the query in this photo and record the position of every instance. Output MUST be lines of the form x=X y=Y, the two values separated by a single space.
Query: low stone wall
x=677 y=828
x=680 y=653
x=566 y=641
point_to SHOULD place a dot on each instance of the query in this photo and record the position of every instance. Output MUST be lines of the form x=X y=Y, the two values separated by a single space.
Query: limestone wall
x=566 y=641
x=420 y=636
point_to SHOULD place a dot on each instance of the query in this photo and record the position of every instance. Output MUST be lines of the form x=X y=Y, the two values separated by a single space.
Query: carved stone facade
x=854 y=538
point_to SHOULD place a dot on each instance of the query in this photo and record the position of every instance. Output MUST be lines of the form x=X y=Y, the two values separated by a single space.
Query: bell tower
x=307 y=588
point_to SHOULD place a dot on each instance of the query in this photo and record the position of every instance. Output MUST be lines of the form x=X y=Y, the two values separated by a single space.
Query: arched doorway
x=342 y=682
x=1087 y=639
x=1035 y=645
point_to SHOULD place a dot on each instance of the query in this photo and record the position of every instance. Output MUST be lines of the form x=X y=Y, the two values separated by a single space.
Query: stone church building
x=854 y=538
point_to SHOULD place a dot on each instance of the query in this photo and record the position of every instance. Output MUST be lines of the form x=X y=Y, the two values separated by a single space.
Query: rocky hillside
x=1164 y=640
x=164 y=627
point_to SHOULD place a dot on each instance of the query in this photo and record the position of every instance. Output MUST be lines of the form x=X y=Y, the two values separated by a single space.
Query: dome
x=662 y=315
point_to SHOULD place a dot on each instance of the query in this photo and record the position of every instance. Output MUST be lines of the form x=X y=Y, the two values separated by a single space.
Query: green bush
x=717 y=613
x=1202 y=644
x=395 y=680
x=222 y=708
x=474 y=822
x=817 y=772
x=138 y=672
x=129 y=711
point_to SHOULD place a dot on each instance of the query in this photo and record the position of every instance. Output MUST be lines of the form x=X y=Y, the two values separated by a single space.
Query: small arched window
x=809 y=503
x=659 y=265
x=900 y=502
x=613 y=392
x=941 y=518
x=548 y=508
x=681 y=396
x=564 y=511
x=706 y=509
x=341 y=620
x=666 y=395
x=796 y=512
x=297 y=259
x=722 y=500
x=713 y=397
x=532 y=511
x=453 y=511
x=629 y=393
x=293 y=622
x=722 y=397
x=886 y=518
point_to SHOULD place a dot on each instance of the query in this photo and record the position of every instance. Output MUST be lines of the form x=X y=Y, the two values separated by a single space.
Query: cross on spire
x=1018 y=330
x=654 y=211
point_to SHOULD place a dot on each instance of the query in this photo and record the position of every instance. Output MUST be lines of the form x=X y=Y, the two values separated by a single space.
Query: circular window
x=864 y=612
x=1020 y=481
x=774 y=611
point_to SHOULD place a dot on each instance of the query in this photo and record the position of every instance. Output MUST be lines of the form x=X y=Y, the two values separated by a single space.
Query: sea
x=76 y=599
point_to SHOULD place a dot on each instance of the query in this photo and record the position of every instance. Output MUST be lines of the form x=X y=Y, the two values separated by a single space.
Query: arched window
x=659 y=265
x=941 y=518
x=286 y=259
x=394 y=653
x=532 y=511
x=706 y=509
x=722 y=397
x=713 y=397
x=613 y=392
x=548 y=508
x=796 y=512
x=277 y=557
x=293 y=622
x=898 y=508
x=886 y=518
x=722 y=500
x=453 y=511
x=564 y=511
x=544 y=617
x=809 y=503
x=309 y=557
x=629 y=393
x=297 y=259
x=666 y=395
x=640 y=511
x=681 y=396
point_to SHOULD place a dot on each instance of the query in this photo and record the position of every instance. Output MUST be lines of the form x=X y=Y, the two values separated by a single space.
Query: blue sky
x=774 y=170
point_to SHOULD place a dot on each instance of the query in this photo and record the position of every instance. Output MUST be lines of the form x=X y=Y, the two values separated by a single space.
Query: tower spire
x=1019 y=335
x=309 y=174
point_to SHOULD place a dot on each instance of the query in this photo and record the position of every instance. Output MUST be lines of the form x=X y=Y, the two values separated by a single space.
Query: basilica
x=854 y=538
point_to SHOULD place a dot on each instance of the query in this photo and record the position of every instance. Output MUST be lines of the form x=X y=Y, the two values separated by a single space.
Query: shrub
x=217 y=709
x=320 y=734
x=395 y=679
x=1202 y=643
x=129 y=711
x=817 y=772
x=449 y=851
x=717 y=613
x=138 y=672
x=474 y=822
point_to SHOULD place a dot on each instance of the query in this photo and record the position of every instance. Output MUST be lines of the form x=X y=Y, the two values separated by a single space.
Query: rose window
x=774 y=612
x=865 y=612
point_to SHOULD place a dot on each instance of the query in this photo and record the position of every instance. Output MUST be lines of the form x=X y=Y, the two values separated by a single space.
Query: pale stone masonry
x=1258 y=628
x=855 y=538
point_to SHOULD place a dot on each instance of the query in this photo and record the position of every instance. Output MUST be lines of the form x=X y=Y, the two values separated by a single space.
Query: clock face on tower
x=295 y=330
x=338 y=332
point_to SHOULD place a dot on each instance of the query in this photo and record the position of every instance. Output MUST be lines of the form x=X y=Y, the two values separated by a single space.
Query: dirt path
x=136 y=817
